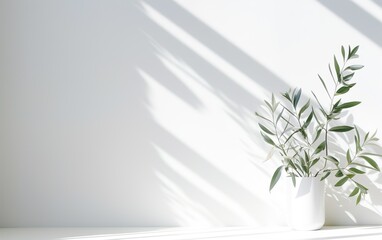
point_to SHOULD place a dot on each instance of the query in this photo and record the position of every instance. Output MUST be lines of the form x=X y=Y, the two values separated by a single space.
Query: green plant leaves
x=287 y=96
x=275 y=177
x=268 y=139
x=337 y=67
x=308 y=120
x=352 y=52
x=320 y=147
x=358 y=199
x=341 y=182
x=354 y=192
x=295 y=129
x=348 y=105
x=296 y=98
x=343 y=90
x=339 y=174
x=341 y=129
x=348 y=158
x=355 y=67
x=265 y=129
x=302 y=110
x=325 y=176
x=356 y=170
x=348 y=77
x=371 y=162
x=361 y=165
x=333 y=160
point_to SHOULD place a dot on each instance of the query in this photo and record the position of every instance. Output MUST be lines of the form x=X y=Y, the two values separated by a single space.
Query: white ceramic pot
x=306 y=203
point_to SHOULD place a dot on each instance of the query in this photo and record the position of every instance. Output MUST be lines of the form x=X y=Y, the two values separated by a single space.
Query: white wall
x=140 y=113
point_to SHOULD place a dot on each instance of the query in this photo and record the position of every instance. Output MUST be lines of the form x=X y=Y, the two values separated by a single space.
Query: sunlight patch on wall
x=204 y=52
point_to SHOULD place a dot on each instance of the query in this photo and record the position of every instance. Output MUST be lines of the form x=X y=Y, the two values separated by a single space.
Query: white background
x=140 y=113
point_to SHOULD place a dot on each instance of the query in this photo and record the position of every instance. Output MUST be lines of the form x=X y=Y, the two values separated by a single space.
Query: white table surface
x=226 y=233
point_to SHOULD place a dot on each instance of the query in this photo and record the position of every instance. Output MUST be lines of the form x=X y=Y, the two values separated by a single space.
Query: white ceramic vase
x=306 y=203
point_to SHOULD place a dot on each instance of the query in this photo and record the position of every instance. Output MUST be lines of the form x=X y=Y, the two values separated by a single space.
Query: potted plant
x=303 y=131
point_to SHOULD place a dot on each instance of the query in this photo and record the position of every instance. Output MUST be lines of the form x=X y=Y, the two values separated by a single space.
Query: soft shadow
x=357 y=18
x=154 y=44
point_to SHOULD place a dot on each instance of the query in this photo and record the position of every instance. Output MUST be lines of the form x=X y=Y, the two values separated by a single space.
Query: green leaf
x=304 y=108
x=317 y=135
x=339 y=173
x=363 y=188
x=358 y=199
x=343 y=52
x=343 y=90
x=305 y=168
x=351 y=175
x=338 y=71
x=306 y=157
x=357 y=140
x=325 y=176
x=265 y=129
x=268 y=105
x=355 y=170
x=354 y=192
x=308 y=120
x=371 y=162
x=320 y=147
x=333 y=160
x=355 y=67
x=341 y=182
x=314 y=162
x=337 y=103
x=268 y=139
x=355 y=56
x=354 y=51
x=348 y=77
x=296 y=98
x=361 y=165
x=366 y=136
x=348 y=105
x=348 y=158
x=279 y=116
x=286 y=95
x=275 y=177
x=341 y=129
x=372 y=154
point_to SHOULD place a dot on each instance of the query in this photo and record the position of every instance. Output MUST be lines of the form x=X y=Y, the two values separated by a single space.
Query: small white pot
x=306 y=203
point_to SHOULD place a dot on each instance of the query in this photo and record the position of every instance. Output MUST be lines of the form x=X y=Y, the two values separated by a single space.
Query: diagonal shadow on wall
x=152 y=40
x=357 y=18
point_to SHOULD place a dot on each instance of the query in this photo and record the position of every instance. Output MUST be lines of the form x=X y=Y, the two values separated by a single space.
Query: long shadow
x=379 y=2
x=220 y=83
x=150 y=43
x=357 y=18
x=219 y=45
x=249 y=203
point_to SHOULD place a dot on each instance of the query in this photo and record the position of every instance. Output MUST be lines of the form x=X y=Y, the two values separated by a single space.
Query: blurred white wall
x=140 y=113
